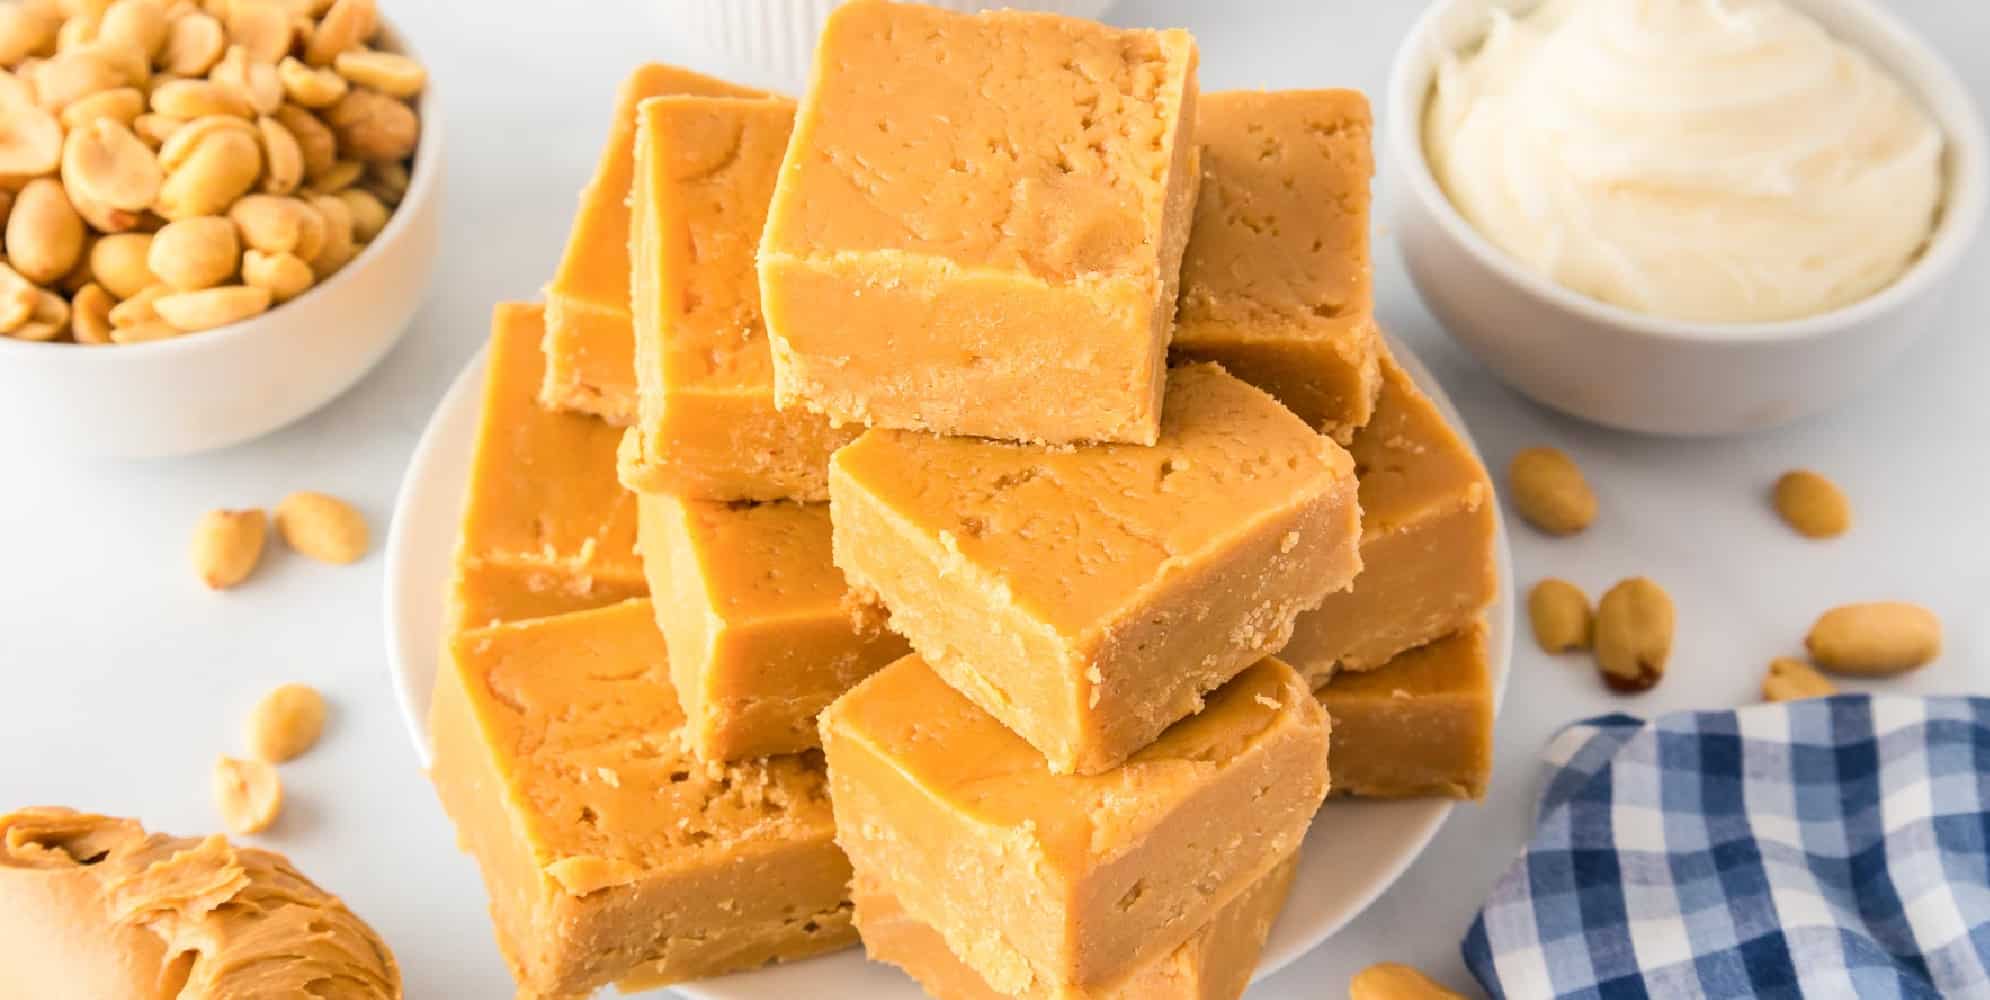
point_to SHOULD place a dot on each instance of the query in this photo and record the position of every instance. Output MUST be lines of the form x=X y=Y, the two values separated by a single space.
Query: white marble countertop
x=124 y=678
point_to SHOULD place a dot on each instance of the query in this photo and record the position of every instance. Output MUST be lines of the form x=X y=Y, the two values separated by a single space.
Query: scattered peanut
x=168 y=166
x=1876 y=639
x=1633 y=634
x=286 y=723
x=1550 y=492
x=1560 y=614
x=1791 y=679
x=322 y=527
x=227 y=544
x=248 y=793
x=1395 y=981
x=1812 y=505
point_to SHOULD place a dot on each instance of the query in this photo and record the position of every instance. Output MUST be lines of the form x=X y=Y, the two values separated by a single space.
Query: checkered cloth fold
x=1825 y=848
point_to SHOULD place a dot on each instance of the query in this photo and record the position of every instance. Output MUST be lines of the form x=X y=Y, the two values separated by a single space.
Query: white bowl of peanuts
x=219 y=215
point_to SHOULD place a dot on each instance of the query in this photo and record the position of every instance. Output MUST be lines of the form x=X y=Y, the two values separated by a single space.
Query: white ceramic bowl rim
x=1936 y=85
x=421 y=177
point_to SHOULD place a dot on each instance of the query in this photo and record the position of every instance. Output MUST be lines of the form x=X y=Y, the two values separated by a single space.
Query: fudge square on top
x=1089 y=597
x=979 y=224
x=1276 y=282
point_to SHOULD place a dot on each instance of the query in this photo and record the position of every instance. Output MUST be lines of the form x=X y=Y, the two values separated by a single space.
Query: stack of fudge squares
x=972 y=509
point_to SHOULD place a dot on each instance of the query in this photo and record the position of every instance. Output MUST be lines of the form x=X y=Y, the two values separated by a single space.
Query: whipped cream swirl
x=1723 y=161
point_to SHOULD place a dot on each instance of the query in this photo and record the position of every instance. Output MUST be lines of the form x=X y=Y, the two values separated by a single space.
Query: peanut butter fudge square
x=1428 y=524
x=1088 y=597
x=589 y=344
x=1055 y=885
x=612 y=855
x=706 y=425
x=763 y=630
x=1276 y=283
x=979 y=224
x=546 y=526
x=1419 y=725
x=1215 y=963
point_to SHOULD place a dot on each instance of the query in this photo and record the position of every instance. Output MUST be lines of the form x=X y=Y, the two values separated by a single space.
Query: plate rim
x=427 y=463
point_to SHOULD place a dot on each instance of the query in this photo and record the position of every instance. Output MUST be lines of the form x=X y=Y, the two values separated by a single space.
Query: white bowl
x=770 y=43
x=1637 y=372
x=220 y=387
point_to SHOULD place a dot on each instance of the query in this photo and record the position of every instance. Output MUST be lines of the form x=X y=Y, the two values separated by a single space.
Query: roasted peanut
x=287 y=722
x=339 y=247
x=81 y=274
x=387 y=72
x=322 y=527
x=211 y=307
x=192 y=99
x=283 y=158
x=144 y=331
x=119 y=263
x=137 y=309
x=1633 y=634
x=1394 y=981
x=140 y=24
x=285 y=276
x=44 y=233
x=221 y=168
x=194 y=43
x=227 y=544
x=343 y=174
x=179 y=146
x=263 y=29
x=1791 y=679
x=314 y=138
x=347 y=24
x=90 y=314
x=1876 y=639
x=123 y=104
x=257 y=82
x=155 y=129
x=30 y=141
x=105 y=163
x=49 y=320
x=76 y=74
x=1549 y=491
x=387 y=180
x=26 y=30
x=1812 y=505
x=80 y=30
x=275 y=224
x=18 y=299
x=248 y=793
x=195 y=253
x=372 y=126
x=1559 y=611
x=309 y=87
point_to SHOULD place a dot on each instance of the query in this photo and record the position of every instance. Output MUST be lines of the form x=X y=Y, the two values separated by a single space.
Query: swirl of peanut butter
x=97 y=907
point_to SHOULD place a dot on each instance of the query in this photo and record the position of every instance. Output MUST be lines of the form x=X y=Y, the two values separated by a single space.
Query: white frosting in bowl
x=1723 y=161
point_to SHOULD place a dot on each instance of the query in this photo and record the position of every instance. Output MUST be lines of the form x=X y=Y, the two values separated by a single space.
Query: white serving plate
x=1354 y=851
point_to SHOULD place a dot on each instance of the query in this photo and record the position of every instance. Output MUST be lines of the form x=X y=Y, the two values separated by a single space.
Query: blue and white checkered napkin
x=1826 y=848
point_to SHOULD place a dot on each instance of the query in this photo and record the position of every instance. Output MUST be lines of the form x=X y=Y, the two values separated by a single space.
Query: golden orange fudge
x=589 y=344
x=546 y=526
x=1043 y=883
x=1422 y=725
x=762 y=628
x=707 y=427
x=612 y=855
x=1089 y=597
x=1276 y=283
x=95 y=908
x=1428 y=525
x=980 y=222
x=1215 y=963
